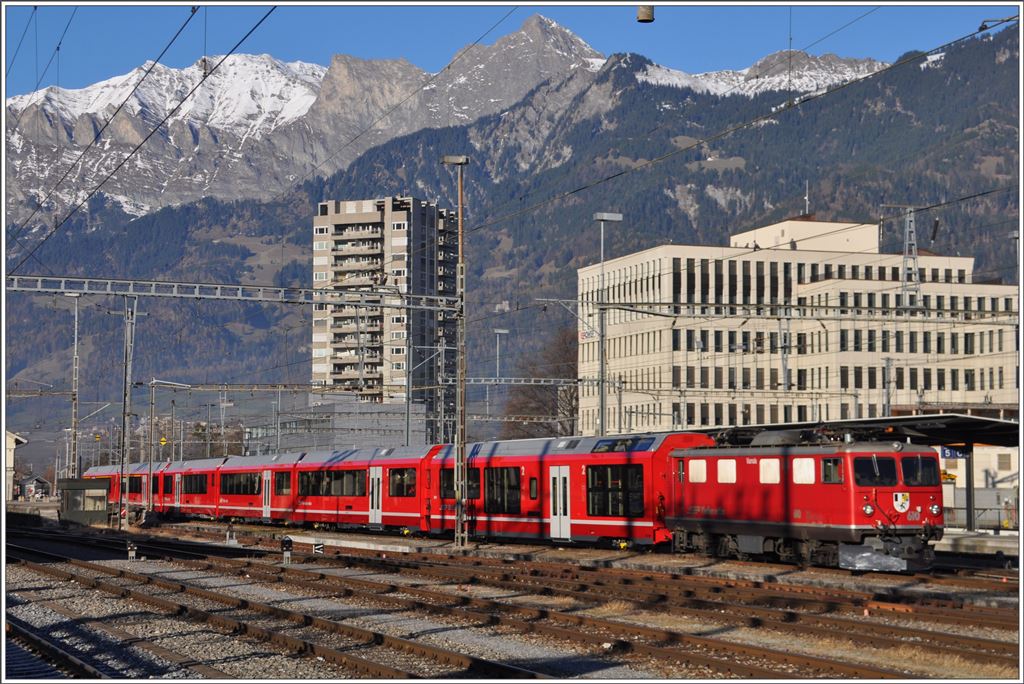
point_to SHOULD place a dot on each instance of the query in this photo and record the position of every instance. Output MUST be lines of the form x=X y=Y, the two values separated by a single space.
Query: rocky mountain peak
x=784 y=70
x=554 y=37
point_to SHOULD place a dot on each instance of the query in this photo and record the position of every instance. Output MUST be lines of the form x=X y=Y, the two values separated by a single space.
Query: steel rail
x=566 y=627
x=128 y=639
x=21 y=631
x=470 y=664
x=293 y=644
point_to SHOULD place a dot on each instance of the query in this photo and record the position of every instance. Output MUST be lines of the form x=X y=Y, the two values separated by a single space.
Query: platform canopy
x=933 y=429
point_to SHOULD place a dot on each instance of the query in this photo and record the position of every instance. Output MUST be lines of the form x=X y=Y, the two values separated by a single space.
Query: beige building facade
x=401 y=243
x=12 y=442
x=801 y=320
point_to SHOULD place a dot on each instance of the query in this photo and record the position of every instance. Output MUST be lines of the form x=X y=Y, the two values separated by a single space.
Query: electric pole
x=126 y=399
x=461 y=461
x=74 y=466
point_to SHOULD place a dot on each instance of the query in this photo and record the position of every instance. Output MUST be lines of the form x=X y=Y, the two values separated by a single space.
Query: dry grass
x=615 y=608
x=921 y=660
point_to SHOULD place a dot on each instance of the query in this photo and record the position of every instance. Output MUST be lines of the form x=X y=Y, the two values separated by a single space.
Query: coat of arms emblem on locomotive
x=901 y=501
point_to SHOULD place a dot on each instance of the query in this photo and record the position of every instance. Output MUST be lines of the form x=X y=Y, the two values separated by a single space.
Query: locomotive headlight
x=868 y=509
x=935 y=508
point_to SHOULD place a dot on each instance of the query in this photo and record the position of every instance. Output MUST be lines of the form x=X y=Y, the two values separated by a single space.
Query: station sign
x=950 y=452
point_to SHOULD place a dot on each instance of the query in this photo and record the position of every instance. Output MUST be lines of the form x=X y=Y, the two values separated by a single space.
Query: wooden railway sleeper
x=653 y=635
x=235 y=626
x=630 y=630
x=820 y=626
x=22 y=630
x=470 y=663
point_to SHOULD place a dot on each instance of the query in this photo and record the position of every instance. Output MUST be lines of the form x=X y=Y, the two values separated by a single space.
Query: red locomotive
x=858 y=505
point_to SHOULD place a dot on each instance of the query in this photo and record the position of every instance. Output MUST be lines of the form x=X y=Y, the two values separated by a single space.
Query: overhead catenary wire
x=788 y=105
x=761 y=74
x=725 y=132
x=99 y=133
x=156 y=128
x=53 y=55
x=17 y=49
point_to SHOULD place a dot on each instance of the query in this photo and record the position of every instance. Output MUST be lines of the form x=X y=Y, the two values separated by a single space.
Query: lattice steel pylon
x=910 y=283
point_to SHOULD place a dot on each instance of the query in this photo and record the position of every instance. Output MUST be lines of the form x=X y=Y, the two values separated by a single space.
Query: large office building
x=398 y=244
x=801 y=320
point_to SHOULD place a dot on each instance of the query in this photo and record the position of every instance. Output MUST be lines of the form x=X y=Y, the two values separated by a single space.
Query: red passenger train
x=858 y=505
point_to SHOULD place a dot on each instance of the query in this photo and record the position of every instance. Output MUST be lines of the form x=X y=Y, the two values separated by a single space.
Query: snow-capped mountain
x=785 y=70
x=245 y=93
x=258 y=125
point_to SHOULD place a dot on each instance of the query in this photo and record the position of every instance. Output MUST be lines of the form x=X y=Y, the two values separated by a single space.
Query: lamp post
x=461 y=535
x=498 y=332
x=601 y=217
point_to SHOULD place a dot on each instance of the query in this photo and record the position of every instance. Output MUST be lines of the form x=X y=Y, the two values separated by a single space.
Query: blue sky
x=109 y=40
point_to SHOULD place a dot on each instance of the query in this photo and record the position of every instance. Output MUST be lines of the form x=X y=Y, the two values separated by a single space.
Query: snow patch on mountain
x=251 y=94
x=784 y=70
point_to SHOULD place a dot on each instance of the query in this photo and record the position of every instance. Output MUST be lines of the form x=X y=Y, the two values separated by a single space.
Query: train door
x=376 y=476
x=177 y=492
x=558 y=476
x=266 y=494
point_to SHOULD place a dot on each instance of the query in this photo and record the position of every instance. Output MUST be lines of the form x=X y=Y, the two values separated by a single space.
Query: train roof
x=803 y=449
x=194 y=464
x=263 y=460
x=102 y=471
x=331 y=458
x=575 y=444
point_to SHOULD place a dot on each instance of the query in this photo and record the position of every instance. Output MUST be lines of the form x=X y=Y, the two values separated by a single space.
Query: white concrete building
x=13 y=441
x=394 y=242
x=801 y=320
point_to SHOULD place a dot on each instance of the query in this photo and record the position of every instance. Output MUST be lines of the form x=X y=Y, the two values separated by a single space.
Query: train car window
x=311 y=483
x=871 y=471
x=282 y=484
x=769 y=471
x=448 y=483
x=615 y=490
x=240 y=483
x=832 y=471
x=156 y=484
x=402 y=482
x=533 y=488
x=501 y=490
x=727 y=471
x=803 y=471
x=168 y=484
x=353 y=482
x=919 y=471
x=698 y=470
x=605 y=446
x=194 y=484
x=135 y=484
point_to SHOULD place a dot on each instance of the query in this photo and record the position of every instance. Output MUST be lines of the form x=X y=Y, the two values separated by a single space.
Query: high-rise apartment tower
x=401 y=244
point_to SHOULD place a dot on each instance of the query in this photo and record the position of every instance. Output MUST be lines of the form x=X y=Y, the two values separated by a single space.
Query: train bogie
x=831 y=504
x=855 y=505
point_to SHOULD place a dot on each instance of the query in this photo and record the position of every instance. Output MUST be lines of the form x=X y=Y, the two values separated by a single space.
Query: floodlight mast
x=461 y=464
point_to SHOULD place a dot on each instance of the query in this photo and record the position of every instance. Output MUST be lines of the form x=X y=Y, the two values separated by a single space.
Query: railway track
x=613 y=637
x=714 y=605
x=680 y=588
x=30 y=655
x=273 y=624
x=949 y=572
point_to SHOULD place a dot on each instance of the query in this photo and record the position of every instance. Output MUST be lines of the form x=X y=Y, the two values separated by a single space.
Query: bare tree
x=557 y=359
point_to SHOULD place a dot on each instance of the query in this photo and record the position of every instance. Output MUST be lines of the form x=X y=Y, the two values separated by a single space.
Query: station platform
x=980 y=543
